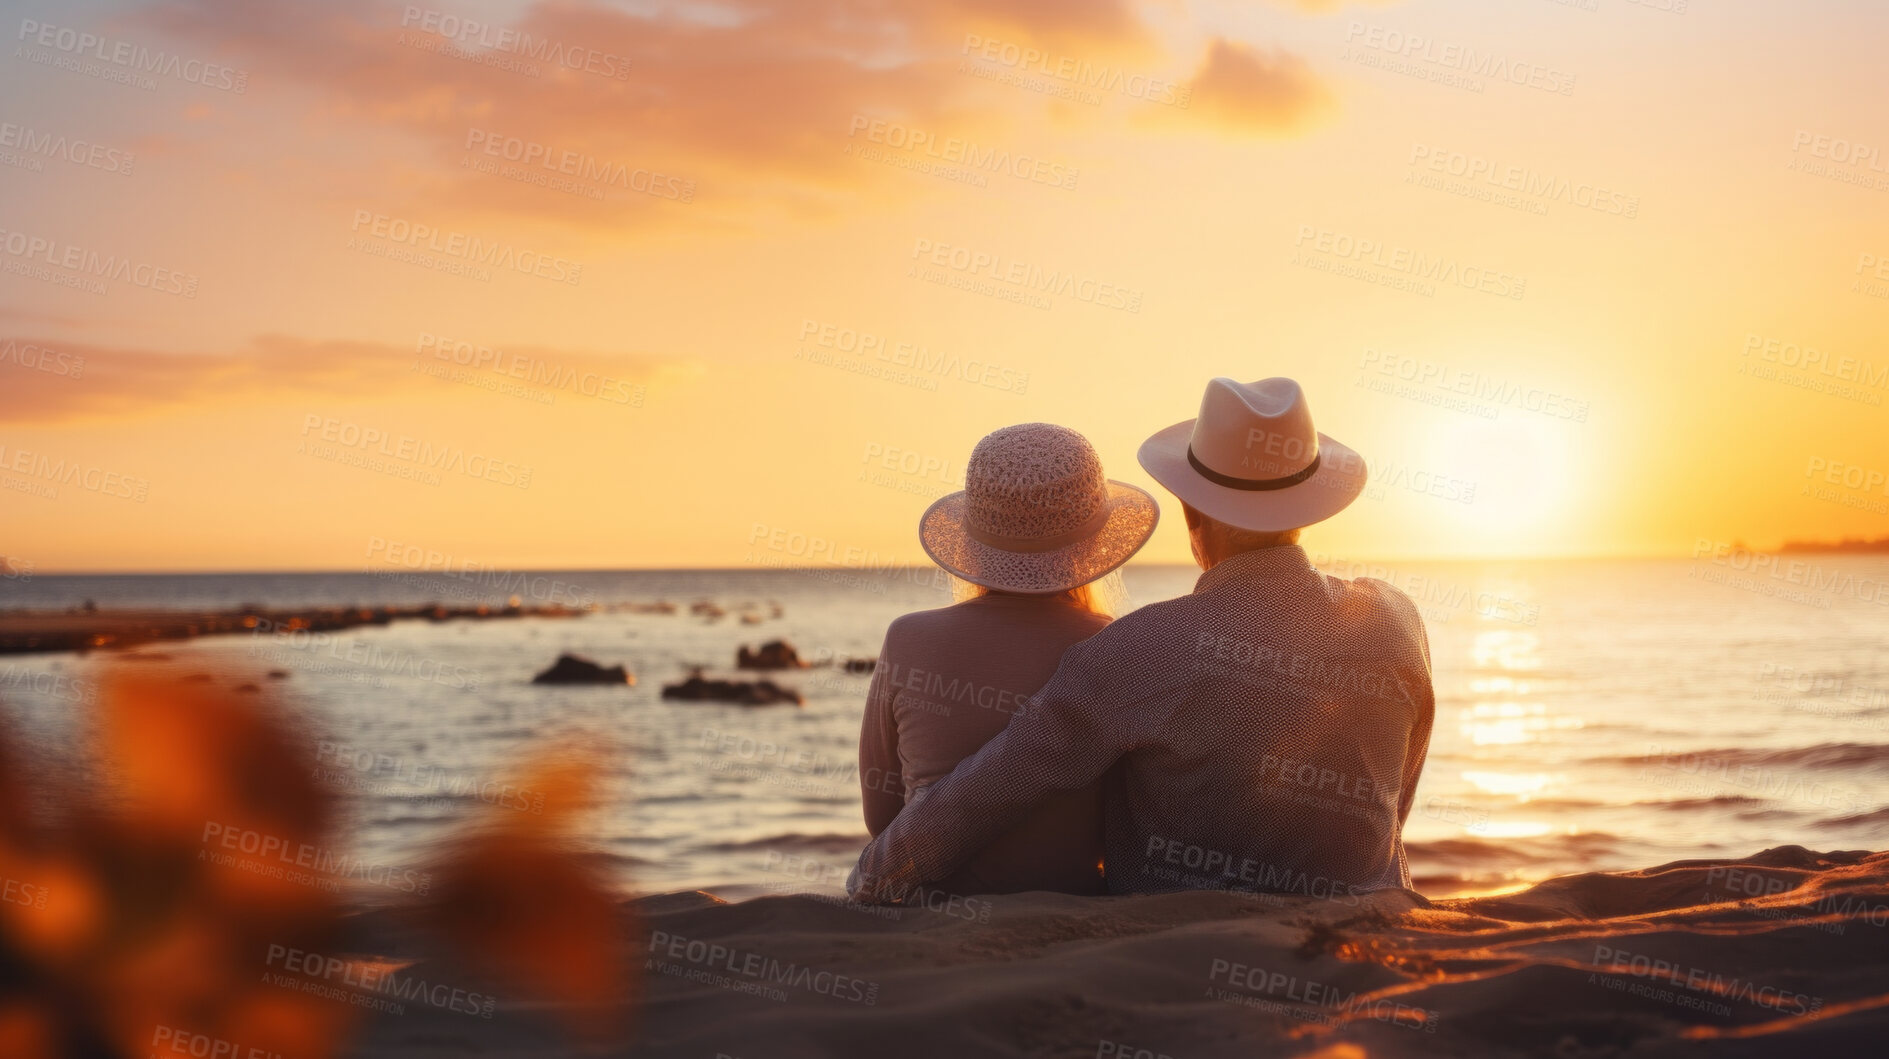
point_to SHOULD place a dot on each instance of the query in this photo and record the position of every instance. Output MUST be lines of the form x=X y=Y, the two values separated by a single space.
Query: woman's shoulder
x=985 y=612
x=1076 y=625
x=924 y=623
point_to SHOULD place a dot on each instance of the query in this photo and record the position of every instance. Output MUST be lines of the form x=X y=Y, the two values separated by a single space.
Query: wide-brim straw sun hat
x=1036 y=514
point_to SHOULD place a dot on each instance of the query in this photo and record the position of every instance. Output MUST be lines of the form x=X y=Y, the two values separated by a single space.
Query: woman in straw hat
x=1034 y=541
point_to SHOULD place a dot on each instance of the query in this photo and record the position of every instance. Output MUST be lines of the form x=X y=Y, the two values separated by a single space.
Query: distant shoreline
x=29 y=575
x=33 y=632
x=1851 y=546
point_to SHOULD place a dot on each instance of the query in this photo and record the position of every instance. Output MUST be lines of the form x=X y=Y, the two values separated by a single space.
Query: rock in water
x=571 y=669
x=740 y=692
x=774 y=654
x=861 y=665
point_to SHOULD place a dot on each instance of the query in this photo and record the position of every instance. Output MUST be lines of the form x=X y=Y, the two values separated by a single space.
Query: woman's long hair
x=1106 y=595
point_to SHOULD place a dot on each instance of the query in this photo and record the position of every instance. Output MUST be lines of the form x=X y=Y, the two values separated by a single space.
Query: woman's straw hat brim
x=1132 y=515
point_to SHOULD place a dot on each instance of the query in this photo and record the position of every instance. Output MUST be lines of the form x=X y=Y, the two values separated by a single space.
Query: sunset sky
x=1551 y=267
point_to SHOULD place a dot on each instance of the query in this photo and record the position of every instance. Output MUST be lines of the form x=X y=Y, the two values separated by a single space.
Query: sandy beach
x=1784 y=950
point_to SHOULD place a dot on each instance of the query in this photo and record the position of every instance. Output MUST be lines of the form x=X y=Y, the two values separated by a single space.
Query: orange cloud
x=751 y=107
x=1244 y=88
x=1326 y=7
x=722 y=104
x=1110 y=24
x=55 y=381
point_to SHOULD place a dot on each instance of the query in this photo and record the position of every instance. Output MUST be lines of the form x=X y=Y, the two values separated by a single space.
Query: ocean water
x=1591 y=715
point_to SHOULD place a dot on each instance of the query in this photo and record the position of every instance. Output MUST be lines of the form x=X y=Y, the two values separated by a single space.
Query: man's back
x=1291 y=744
x=1271 y=727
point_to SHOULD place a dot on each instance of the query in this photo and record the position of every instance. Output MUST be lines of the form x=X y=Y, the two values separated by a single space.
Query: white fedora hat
x=1253 y=460
x=1036 y=514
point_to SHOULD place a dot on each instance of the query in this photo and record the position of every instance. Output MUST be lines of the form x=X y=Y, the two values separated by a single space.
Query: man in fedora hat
x=1269 y=728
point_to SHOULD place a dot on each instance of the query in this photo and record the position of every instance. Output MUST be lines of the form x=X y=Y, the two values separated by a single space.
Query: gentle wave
x=1510 y=851
x=1879 y=816
x=794 y=840
x=1684 y=804
x=1822 y=755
